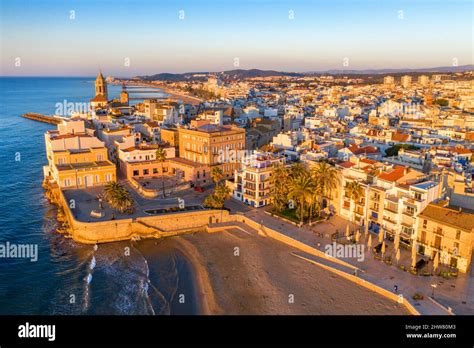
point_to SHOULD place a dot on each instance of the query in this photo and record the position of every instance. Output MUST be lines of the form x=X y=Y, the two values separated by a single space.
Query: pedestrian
x=395 y=287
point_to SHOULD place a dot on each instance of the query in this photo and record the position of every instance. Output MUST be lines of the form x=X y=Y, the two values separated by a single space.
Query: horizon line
x=352 y=71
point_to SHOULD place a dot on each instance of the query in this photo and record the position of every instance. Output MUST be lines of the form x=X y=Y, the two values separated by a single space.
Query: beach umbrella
x=357 y=236
x=436 y=262
x=413 y=255
x=383 y=248
x=381 y=235
x=369 y=242
x=396 y=242
x=398 y=255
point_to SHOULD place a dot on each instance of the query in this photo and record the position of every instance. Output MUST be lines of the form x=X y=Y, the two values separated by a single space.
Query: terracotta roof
x=393 y=175
x=346 y=164
x=356 y=150
x=368 y=161
x=99 y=98
x=450 y=216
x=400 y=137
x=462 y=151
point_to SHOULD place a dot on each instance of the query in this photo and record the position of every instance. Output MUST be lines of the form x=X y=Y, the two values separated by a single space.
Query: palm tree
x=111 y=190
x=354 y=190
x=279 y=186
x=300 y=189
x=314 y=198
x=161 y=158
x=326 y=176
x=298 y=169
x=118 y=197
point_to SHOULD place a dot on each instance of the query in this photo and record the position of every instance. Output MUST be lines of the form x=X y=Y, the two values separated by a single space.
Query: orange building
x=206 y=146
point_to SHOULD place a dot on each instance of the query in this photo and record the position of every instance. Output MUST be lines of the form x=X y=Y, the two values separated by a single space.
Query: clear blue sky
x=212 y=34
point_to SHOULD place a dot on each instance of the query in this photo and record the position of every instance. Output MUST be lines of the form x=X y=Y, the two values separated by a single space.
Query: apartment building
x=211 y=145
x=448 y=231
x=391 y=197
x=76 y=159
x=252 y=182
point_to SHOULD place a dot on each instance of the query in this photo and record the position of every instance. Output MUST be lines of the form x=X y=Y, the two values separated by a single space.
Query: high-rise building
x=389 y=80
x=405 y=81
x=423 y=80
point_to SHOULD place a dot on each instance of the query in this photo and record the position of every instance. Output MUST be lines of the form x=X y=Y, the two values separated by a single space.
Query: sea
x=125 y=278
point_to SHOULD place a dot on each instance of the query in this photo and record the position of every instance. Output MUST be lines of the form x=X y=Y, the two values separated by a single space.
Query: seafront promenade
x=218 y=221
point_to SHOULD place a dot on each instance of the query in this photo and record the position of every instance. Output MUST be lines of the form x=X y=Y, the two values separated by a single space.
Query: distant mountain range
x=440 y=69
x=239 y=74
x=230 y=74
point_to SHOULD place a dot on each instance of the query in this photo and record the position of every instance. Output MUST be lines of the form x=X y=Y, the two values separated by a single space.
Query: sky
x=127 y=38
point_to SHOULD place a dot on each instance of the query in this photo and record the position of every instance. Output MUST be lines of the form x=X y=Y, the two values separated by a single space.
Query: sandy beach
x=172 y=93
x=239 y=273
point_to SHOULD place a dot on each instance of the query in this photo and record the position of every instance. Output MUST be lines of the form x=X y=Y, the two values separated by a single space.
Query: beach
x=239 y=273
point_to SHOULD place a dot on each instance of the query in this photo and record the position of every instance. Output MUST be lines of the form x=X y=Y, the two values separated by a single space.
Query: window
x=97 y=179
x=458 y=235
x=99 y=157
x=67 y=182
x=135 y=173
x=155 y=170
x=146 y=171
x=108 y=177
x=425 y=223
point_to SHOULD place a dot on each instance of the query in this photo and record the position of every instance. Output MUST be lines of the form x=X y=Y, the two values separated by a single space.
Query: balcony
x=375 y=198
x=409 y=213
x=391 y=208
x=438 y=232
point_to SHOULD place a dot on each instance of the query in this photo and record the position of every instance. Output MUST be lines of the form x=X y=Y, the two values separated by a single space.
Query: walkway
x=457 y=293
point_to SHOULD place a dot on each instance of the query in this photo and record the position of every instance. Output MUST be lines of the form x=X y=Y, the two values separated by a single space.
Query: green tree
x=279 y=186
x=216 y=174
x=354 y=190
x=118 y=197
x=300 y=190
x=161 y=158
x=325 y=177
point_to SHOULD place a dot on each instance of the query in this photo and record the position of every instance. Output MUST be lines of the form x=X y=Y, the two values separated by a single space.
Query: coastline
x=172 y=93
x=203 y=292
x=265 y=276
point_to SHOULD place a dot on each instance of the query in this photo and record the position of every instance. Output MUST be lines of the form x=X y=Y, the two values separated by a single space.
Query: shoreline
x=172 y=93
x=204 y=292
x=260 y=279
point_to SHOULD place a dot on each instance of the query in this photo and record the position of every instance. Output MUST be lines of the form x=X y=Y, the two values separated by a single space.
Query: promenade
x=457 y=293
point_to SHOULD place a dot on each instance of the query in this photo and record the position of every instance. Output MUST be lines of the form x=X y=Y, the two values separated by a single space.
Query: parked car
x=199 y=189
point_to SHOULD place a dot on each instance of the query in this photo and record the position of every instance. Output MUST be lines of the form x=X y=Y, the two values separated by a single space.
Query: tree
x=161 y=158
x=216 y=174
x=279 y=186
x=118 y=197
x=300 y=189
x=354 y=190
x=314 y=198
x=325 y=176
